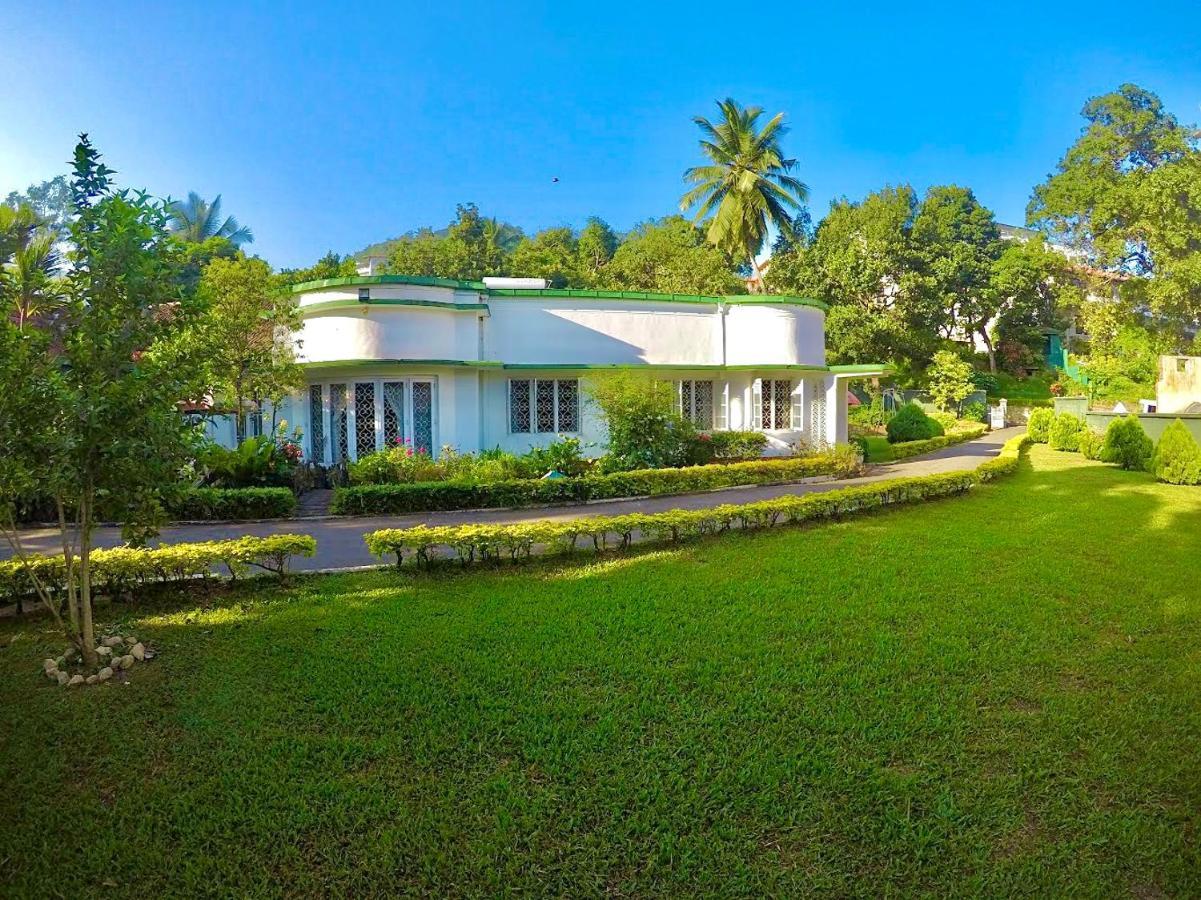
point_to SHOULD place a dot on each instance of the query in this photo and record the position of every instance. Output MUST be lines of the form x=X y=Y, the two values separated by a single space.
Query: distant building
x=1178 y=388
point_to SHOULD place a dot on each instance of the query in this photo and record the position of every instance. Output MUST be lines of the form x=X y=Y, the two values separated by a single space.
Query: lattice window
x=568 y=404
x=696 y=403
x=337 y=415
x=394 y=413
x=519 y=406
x=817 y=414
x=316 y=425
x=776 y=411
x=423 y=416
x=364 y=417
x=544 y=406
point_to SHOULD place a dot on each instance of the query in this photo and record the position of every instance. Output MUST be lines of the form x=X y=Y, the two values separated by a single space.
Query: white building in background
x=506 y=363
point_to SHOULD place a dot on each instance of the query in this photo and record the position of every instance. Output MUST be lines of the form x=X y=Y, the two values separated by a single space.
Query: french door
x=349 y=419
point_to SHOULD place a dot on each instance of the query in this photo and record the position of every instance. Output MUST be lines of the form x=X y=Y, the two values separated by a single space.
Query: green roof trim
x=366 y=280
x=326 y=305
x=584 y=367
x=551 y=293
x=375 y=363
x=863 y=369
x=682 y=367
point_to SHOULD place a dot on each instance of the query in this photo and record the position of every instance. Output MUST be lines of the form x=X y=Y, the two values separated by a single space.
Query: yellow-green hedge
x=916 y=448
x=121 y=570
x=517 y=540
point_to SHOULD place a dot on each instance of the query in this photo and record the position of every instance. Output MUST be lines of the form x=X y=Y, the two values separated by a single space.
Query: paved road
x=340 y=540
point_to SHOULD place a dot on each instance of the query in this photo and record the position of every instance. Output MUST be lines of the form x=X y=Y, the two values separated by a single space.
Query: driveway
x=340 y=539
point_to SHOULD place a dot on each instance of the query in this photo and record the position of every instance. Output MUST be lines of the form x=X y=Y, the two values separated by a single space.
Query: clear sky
x=333 y=126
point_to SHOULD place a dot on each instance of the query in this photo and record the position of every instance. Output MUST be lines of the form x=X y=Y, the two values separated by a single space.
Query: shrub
x=916 y=448
x=950 y=380
x=727 y=445
x=516 y=541
x=122 y=570
x=262 y=461
x=869 y=415
x=839 y=462
x=646 y=431
x=212 y=504
x=1177 y=458
x=974 y=412
x=1039 y=425
x=1064 y=433
x=987 y=382
x=1090 y=443
x=564 y=455
x=912 y=424
x=945 y=419
x=1126 y=444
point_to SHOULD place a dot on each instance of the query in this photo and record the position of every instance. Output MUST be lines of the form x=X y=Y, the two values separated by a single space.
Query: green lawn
x=992 y=695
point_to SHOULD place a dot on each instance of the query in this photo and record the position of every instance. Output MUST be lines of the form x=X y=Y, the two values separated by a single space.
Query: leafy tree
x=950 y=380
x=955 y=242
x=29 y=262
x=245 y=330
x=670 y=256
x=195 y=220
x=645 y=429
x=746 y=185
x=1126 y=195
x=90 y=418
x=329 y=266
x=1032 y=286
x=50 y=202
x=471 y=248
x=194 y=257
x=594 y=249
x=860 y=261
x=551 y=254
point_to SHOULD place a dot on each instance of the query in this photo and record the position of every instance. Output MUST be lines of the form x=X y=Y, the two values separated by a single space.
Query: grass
x=985 y=696
x=1023 y=390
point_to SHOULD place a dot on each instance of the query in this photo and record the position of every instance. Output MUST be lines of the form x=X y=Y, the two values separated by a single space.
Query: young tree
x=246 y=329
x=594 y=250
x=671 y=256
x=90 y=417
x=29 y=261
x=50 y=202
x=950 y=380
x=645 y=428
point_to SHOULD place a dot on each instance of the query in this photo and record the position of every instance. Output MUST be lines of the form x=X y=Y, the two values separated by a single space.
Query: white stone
x=62 y=677
x=138 y=652
x=104 y=674
x=112 y=641
x=104 y=651
x=49 y=664
x=126 y=661
x=52 y=674
x=76 y=679
x=92 y=679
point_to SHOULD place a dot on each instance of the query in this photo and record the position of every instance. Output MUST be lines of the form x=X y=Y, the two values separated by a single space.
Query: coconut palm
x=195 y=220
x=746 y=187
x=29 y=261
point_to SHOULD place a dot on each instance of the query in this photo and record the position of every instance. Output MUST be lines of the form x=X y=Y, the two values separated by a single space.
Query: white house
x=507 y=362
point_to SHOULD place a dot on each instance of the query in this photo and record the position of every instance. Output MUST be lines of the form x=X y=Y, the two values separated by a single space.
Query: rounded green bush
x=1039 y=425
x=1177 y=458
x=1090 y=443
x=1126 y=444
x=912 y=424
x=1064 y=433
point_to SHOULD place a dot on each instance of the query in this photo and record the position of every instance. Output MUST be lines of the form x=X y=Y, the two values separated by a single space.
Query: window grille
x=423 y=416
x=544 y=405
x=316 y=425
x=519 y=406
x=696 y=403
x=394 y=413
x=337 y=415
x=817 y=413
x=364 y=417
x=568 y=404
x=775 y=404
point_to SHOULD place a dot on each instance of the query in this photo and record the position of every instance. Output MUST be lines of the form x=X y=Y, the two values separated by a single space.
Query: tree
x=594 y=250
x=471 y=248
x=550 y=254
x=860 y=261
x=670 y=256
x=50 y=202
x=1032 y=286
x=955 y=242
x=90 y=418
x=1125 y=196
x=195 y=220
x=950 y=380
x=746 y=186
x=246 y=327
x=30 y=281
x=329 y=266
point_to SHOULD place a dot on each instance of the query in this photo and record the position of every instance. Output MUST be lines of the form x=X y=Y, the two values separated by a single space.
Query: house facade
x=507 y=363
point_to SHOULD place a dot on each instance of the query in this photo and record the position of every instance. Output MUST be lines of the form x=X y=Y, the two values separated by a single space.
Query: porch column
x=836 y=410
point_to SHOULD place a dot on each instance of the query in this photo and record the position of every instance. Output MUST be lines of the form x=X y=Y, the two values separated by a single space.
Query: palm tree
x=29 y=261
x=195 y=220
x=746 y=186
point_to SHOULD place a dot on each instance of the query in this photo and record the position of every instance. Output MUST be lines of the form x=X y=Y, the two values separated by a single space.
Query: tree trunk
x=68 y=565
x=992 y=353
x=87 y=636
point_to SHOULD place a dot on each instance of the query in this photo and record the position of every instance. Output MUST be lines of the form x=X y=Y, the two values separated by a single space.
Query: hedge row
x=372 y=499
x=120 y=570
x=517 y=540
x=211 y=504
x=907 y=449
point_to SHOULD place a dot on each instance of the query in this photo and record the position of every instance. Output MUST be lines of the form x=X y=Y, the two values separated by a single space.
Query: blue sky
x=333 y=126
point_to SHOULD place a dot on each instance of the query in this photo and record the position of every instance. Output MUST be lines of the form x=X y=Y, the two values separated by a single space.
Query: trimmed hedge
x=391 y=499
x=120 y=570
x=210 y=504
x=907 y=449
x=516 y=541
x=912 y=424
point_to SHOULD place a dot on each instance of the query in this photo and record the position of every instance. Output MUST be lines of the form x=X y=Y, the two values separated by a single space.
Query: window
x=394 y=413
x=1181 y=364
x=544 y=405
x=696 y=403
x=775 y=402
x=337 y=418
x=364 y=417
x=316 y=425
